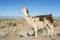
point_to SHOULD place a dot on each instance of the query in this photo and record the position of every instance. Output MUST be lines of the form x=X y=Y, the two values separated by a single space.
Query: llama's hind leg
x=51 y=29
x=48 y=31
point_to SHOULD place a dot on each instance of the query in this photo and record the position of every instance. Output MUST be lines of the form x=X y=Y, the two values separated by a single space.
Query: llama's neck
x=27 y=15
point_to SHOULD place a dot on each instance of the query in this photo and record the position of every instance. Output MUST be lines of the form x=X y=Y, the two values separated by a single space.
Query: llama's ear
x=27 y=11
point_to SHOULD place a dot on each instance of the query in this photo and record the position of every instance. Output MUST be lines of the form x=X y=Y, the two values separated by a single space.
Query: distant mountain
x=56 y=17
x=18 y=17
x=10 y=17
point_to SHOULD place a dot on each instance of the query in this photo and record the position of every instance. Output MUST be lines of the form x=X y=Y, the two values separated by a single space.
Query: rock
x=58 y=34
x=23 y=33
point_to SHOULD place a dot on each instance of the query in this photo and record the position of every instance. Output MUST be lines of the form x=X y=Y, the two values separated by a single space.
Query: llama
x=39 y=22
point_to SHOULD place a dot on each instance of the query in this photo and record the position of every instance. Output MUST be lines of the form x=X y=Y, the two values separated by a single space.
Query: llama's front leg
x=35 y=31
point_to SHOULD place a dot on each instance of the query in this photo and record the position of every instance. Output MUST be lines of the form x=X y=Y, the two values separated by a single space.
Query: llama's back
x=48 y=17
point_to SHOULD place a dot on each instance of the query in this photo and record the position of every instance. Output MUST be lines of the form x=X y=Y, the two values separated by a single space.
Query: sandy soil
x=25 y=28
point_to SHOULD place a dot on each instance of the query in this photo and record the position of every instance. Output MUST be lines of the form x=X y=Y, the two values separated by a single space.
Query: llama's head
x=24 y=10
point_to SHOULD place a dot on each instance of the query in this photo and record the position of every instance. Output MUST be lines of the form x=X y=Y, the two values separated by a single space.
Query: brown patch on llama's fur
x=48 y=17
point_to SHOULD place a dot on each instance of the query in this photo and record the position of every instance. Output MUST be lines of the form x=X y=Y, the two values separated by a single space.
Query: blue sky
x=35 y=7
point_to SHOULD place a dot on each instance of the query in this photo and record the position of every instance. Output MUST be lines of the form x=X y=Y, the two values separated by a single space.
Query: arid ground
x=17 y=29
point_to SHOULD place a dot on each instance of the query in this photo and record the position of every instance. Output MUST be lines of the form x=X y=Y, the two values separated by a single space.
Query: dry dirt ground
x=12 y=29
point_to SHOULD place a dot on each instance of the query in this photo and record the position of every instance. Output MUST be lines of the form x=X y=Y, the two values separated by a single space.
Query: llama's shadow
x=58 y=34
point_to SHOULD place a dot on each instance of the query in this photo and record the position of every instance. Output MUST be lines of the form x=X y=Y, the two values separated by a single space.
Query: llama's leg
x=51 y=29
x=35 y=31
x=48 y=31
